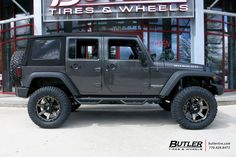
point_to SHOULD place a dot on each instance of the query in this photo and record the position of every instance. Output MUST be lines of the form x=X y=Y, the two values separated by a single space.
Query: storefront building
x=185 y=31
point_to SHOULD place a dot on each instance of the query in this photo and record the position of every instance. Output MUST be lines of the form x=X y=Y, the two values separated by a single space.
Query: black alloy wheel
x=196 y=109
x=48 y=108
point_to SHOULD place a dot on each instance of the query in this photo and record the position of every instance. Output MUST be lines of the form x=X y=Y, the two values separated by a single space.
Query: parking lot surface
x=112 y=131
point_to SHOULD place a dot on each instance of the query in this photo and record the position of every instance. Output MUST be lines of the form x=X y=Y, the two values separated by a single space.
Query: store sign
x=81 y=10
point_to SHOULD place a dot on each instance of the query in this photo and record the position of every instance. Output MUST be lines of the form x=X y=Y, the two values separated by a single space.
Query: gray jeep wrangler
x=61 y=72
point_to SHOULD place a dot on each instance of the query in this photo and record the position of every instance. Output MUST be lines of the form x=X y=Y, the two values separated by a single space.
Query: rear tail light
x=19 y=72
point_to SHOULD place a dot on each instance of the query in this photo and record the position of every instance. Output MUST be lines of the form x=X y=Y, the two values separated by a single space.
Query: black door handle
x=98 y=69
x=107 y=67
x=113 y=67
x=75 y=66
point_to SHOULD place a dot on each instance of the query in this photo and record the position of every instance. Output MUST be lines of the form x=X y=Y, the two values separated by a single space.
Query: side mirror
x=154 y=56
x=142 y=58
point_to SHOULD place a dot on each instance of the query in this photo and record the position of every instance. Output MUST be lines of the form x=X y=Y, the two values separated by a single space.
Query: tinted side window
x=43 y=49
x=83 y=49
x=123 y=49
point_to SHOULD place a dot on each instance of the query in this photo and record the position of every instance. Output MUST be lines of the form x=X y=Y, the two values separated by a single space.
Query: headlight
x=217 y=79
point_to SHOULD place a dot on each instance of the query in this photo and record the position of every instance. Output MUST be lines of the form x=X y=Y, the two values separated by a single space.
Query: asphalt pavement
x=114 y=131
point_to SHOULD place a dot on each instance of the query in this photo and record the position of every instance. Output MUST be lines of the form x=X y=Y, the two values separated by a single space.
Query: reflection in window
x=156 y=44
x=46 y=49
x=214 y=25
x=166 y=39
x=214 y=53
x=83 y=49
x=185 y=48
x=169 y=40
x=163 y=49
x=123 y=49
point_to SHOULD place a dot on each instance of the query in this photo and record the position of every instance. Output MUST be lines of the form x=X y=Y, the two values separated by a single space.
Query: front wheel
x=194 y=108
x=49 y=107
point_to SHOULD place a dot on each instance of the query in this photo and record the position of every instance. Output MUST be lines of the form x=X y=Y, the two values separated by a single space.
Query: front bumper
x=22 y=92
x=219 y=89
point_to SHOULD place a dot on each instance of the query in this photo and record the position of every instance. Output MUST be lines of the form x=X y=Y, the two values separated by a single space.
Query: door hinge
x=146 y=69
x=98 y=69
x=98 y=84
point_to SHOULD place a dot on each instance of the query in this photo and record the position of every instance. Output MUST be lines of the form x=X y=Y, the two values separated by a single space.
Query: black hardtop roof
x=97 y=34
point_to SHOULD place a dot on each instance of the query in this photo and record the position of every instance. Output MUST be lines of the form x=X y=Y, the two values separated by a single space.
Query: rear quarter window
x=43 y=49
x=48 y=51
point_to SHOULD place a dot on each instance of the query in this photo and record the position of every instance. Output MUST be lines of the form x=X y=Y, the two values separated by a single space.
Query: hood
x=183 y=66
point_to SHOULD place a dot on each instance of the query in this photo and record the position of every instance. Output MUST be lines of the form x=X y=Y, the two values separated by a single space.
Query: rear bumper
x=22 y=92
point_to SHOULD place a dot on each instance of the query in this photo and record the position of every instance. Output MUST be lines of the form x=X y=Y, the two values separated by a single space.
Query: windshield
x=165 y=55
x=160 y=54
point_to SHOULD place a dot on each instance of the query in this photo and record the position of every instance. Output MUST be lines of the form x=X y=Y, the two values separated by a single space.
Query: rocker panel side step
x=117 y=100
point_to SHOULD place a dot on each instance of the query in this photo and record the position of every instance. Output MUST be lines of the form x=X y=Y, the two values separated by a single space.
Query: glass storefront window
x=217 y=6
x=78 y=26
x=221 y=43
x=174 y=47
x=214 y=24
x=230 y=66
x=168 y=39
x=156 y=44
x=50 y=28
x=145 y=39
x=214 y=53
x=185 y=48
x=155 y=25
x=164 y=48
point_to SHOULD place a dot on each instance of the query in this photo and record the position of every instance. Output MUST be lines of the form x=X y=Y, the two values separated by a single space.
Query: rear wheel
x=194 y=108
x=49 y=107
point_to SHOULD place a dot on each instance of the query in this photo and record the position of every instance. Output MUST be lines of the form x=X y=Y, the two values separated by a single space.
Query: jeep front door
x=124 y=73
x=83 y=64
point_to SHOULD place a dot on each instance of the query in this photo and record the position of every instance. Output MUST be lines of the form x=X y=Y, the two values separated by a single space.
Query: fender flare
x=58 y=75
x=177 y=76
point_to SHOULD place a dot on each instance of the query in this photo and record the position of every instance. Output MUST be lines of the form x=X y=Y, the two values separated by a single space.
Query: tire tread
x=178 y=101
x=64 y=101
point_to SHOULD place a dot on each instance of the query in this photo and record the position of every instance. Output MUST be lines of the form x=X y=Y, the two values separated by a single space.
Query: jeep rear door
x=83 y=63
x=123 y=72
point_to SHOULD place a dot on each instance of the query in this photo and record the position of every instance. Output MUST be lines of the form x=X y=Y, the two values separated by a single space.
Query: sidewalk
x=227 y=99
x=13 y=101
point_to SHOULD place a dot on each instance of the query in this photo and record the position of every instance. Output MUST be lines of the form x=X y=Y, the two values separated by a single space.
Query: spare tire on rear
x=16 y=61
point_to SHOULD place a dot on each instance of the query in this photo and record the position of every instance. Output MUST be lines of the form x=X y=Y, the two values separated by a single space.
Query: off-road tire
x=60 y=96
x=181 y=99
x=165 y=105
x=16 y=61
